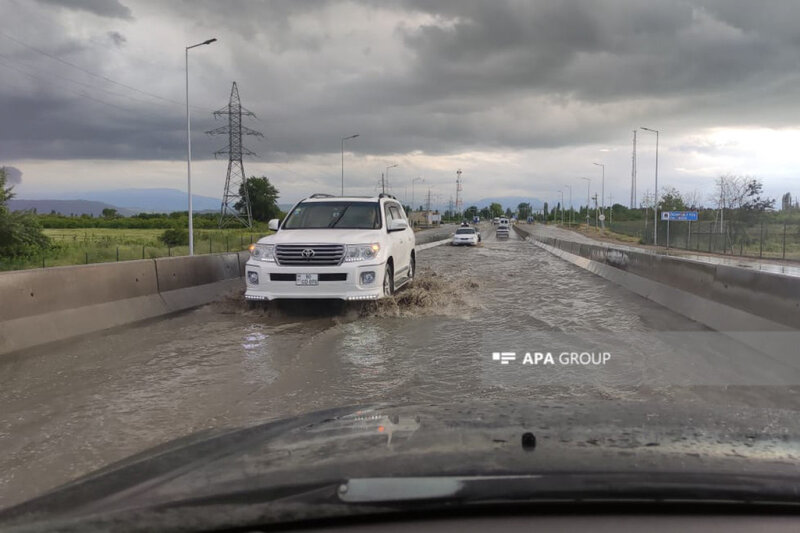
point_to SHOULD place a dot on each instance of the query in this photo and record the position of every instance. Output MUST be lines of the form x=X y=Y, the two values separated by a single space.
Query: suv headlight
x=361 y=252
x=263 y=252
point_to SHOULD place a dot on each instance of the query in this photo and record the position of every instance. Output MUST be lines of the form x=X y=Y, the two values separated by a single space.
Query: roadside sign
x=679 y=216
x=602 y=218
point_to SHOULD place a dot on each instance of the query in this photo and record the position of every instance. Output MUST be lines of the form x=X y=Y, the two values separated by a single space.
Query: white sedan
x=465 y=236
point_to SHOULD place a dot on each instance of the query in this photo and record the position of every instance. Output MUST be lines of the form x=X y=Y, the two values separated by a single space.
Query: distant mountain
x=152 y=200
x=506 y=201
x=66 y=207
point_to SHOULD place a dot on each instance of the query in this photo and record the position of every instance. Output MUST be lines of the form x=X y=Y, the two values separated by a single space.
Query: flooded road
x=72 y=408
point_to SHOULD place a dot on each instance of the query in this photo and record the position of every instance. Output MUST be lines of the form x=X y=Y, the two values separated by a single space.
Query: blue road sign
x=681 y=216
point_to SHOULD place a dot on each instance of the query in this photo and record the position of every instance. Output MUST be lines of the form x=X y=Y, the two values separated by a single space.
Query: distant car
x=503 y=229
x=468 y=236
x=496 y=221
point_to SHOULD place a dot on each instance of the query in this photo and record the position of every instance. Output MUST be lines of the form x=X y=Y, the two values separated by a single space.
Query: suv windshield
x=342 y=215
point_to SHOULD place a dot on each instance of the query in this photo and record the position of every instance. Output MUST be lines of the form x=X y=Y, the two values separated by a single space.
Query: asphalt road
x=69 y=409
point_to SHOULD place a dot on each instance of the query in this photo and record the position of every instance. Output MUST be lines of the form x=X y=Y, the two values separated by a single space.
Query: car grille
x=322 y=277
x=298 y=254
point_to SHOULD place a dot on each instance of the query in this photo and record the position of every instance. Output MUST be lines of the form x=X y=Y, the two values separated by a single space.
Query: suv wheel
x=388 y=281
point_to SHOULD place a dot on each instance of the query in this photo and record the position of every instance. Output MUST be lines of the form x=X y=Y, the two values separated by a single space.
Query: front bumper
x=349 y=288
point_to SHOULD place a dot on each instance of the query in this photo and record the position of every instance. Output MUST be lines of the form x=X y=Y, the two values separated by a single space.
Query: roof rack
x=386 y=195
x=322 y=195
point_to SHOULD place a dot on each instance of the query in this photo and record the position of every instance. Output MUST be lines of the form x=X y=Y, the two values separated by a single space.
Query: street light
x=655 y=196
x=343 y=140
x=561 y=206
x=189 y=145
x=386 y=184
x=588 y=199
x=570 y=203
x=412 y=190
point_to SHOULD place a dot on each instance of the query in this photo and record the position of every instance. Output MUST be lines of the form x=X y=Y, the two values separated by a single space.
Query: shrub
x=175 y=237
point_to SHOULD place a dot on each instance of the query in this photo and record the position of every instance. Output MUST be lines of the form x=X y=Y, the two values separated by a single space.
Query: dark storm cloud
x=461 y=75
x=103 y=8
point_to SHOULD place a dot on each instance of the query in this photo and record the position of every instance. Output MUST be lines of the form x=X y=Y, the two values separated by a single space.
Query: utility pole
x=603 y=192
x=458 y=190
x=633 y=173
x=611 y=209
x=383 y=183
x=588 y=200
x=235 y=151
x=655 y=192
x=595 y=210
x=412 y=189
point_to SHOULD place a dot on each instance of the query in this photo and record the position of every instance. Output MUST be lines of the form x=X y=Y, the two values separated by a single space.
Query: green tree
x=109 y=213
x=263 y=199
x=671 y=200
x=486 y=213
x=524 y=210
x=496 y=209
x=20 y=232
x=471 y=211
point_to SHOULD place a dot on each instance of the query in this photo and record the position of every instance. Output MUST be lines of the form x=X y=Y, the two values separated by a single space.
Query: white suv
x=349 y=248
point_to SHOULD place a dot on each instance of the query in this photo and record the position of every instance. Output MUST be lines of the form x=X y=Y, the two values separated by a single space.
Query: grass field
x=101 y=245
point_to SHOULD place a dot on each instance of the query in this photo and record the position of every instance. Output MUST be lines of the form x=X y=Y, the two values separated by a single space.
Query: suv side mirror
x=274 y=223
x=398 y=224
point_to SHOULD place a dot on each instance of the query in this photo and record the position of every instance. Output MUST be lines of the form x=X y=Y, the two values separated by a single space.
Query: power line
x=82 y=84
x=85 y=71
x=83 y=95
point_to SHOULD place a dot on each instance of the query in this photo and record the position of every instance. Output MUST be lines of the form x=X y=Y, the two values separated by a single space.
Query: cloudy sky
x=523 y=96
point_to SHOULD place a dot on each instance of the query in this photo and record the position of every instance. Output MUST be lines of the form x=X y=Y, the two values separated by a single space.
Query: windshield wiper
x=333 y=224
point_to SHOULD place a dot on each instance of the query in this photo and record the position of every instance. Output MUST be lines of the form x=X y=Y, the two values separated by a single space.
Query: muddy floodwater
x=71 y=408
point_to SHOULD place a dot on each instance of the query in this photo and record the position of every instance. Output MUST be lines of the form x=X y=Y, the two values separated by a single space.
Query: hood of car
x=482 y=439
x=324 y=236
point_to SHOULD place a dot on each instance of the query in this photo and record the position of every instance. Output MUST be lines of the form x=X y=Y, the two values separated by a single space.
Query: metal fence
x=78 y=249
x=765 y=239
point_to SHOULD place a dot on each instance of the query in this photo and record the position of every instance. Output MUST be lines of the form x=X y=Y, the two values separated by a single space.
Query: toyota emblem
x=308 y=253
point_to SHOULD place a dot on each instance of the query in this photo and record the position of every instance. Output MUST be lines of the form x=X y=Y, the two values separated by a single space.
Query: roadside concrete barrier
x=753 y=306
x=52 y=304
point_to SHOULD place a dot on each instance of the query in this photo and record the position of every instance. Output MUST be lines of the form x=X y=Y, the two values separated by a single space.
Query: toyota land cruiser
x=349 y=248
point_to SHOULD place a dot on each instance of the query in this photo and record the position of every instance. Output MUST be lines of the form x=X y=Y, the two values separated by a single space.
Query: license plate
x=307 y=279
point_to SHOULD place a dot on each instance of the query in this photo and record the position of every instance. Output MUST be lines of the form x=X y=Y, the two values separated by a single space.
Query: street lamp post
x=588 y=198
x=343 y=140
x=189 y=145
x=655 y=195
x=562 y=206
x=386 y=184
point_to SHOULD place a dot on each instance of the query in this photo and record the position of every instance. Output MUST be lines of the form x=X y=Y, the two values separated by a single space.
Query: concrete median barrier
x=52 y=304
x=725 y=298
